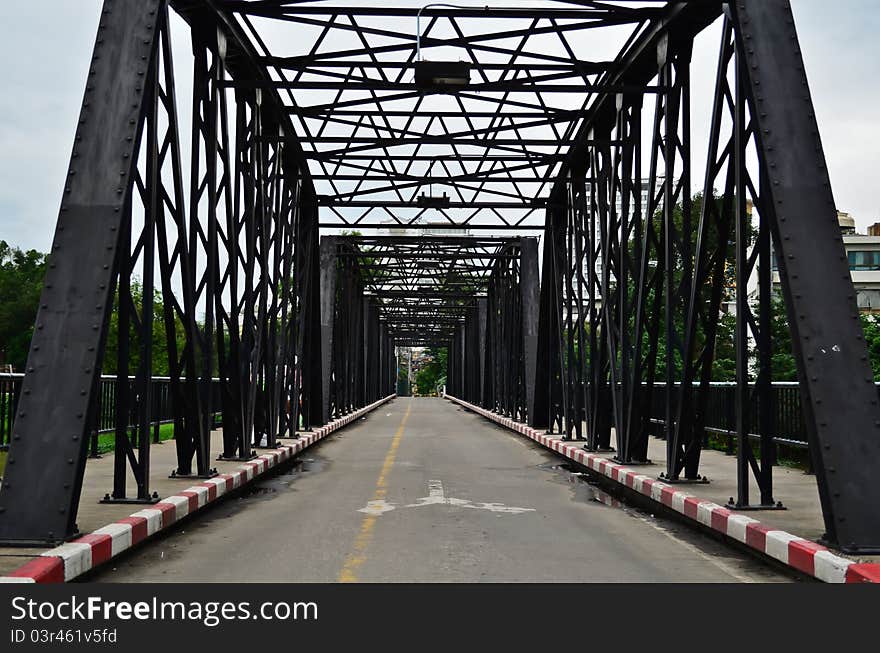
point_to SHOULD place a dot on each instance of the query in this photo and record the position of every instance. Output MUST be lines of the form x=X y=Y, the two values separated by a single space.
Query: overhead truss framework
x=569 y=122
x=425 y=287
x=376 y=142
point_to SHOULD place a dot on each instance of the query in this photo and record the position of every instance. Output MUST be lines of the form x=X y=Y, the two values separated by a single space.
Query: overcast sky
x=46 y=47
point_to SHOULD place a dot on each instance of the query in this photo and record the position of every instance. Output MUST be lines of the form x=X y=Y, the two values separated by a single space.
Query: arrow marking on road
x=377 y=507
x=436 y=495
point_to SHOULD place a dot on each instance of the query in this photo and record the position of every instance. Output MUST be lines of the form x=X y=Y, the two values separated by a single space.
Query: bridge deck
x=423 y=491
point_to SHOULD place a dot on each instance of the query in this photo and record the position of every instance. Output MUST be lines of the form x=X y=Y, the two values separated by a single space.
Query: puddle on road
x=585 y=489
x=271 y=487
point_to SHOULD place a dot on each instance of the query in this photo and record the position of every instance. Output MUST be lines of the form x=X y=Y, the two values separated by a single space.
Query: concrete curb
x=803 y=555
x=71 y=559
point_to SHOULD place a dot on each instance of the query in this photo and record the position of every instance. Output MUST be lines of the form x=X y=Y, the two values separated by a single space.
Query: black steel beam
x=279 y=9
x=397 y=204
x=328 y=319
x=842 y=416
x=44 y=470
x=498 y=226
x=530 y=289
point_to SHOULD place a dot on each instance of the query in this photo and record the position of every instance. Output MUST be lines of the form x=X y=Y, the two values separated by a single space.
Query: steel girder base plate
x=849 y=549
x=732 y=505
x=187 y=477
x=36 y=544
x=237 y=459
x=702 y=480
x=633 y=463
x=40 y=543
x=149 y=501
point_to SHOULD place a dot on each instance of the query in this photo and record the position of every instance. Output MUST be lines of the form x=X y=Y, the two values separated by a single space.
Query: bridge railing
x=10 y=388
x=720 y=416
x=105 y=416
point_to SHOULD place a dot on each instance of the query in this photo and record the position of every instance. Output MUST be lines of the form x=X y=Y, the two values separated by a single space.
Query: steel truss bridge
x=309 y=185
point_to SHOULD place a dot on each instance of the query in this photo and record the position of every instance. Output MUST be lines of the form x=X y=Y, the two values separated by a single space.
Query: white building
x=863 y=253
x=422 y=227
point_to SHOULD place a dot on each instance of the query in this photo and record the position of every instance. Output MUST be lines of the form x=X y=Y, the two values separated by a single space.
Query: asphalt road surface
x=423 y=491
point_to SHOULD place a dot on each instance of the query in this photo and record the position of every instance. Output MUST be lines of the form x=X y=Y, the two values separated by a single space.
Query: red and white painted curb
x=74 y=558
x=801 y=554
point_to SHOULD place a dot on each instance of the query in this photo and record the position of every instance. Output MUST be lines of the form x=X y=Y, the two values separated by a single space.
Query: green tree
x=724 y=363
x=782 y=365
x=432 y=372
x=871 y=326
x=161 y=366
x=21 y=279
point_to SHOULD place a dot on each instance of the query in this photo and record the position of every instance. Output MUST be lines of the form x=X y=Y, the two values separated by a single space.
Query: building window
x=864 y=260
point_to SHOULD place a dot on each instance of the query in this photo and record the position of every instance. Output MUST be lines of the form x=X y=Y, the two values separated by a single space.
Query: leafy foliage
x=161 y=365
x=21 y=278
x=871 y=326
x=432 y=372
x=783 y=366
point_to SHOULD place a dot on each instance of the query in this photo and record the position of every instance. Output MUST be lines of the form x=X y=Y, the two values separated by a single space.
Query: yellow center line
x=358 y=554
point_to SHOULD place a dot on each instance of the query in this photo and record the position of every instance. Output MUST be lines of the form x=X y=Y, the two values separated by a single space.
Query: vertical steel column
x=480 y=354
x=840 y=400
x=682 y=447
x=543 y=411
x=741 y=332
x=64 y=362
x=461 y=363
x=328 y=272
x=529 y=286
x=308 y=287
x=365 y=395
x=764 y=382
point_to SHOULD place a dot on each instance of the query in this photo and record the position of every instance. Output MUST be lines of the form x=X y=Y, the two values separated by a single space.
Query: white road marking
x=377 y=507
x=436 y=495
x=498 y=507
x=435 y=489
